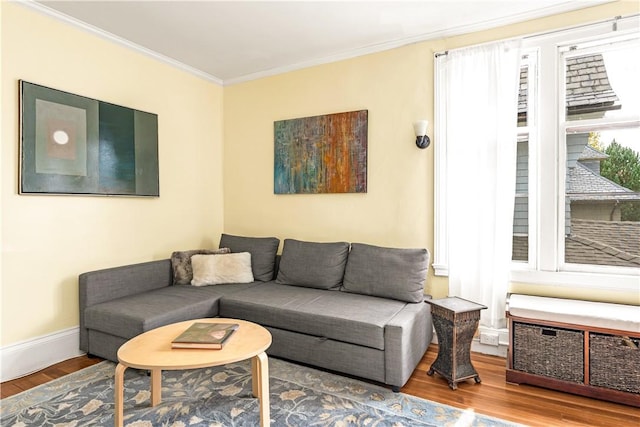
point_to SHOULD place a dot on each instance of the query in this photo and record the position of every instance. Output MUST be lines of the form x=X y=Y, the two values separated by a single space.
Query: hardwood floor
x=524 y=404
x=9 y=388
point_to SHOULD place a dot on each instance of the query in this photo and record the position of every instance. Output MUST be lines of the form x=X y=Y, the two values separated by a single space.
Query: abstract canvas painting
x=321 y=154
x=71 y=144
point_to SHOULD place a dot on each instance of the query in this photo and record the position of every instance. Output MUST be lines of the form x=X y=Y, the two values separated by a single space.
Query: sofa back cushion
x=263 y=252
x=386 y=272
x=312 y=265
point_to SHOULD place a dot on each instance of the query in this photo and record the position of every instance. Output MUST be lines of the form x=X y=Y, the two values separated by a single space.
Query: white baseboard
x=24 y=358
x=18 y=360
x=492 y=350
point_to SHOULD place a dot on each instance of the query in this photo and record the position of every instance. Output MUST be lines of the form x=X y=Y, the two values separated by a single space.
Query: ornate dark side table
x=455 y=320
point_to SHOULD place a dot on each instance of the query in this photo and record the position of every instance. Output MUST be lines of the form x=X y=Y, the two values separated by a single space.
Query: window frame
x=565 y=127
x=530 y=58
x=546 y=190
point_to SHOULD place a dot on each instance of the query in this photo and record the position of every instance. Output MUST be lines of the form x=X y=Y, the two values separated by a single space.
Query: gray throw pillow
x=181 y=263
x=386 y=272
x=313 y=265
x=263 y=252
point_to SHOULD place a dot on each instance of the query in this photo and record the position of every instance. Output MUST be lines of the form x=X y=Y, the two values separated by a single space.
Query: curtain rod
x=531 y=36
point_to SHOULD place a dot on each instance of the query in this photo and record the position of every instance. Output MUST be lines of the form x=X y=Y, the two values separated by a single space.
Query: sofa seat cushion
x=351 y=318
x=130 y=316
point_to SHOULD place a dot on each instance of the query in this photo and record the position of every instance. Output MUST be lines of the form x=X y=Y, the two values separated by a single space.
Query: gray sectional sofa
x=353 y=308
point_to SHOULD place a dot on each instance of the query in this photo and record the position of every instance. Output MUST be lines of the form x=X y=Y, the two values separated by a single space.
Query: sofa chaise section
x=106 y=324
x=119 y=303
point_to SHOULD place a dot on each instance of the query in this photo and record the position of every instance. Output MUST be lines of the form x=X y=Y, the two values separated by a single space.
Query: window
x=602 y=133
x=526 y=129
x=577 y=202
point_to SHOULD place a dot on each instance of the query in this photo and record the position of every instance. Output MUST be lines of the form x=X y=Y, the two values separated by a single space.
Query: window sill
x=585 y=280
x=441 y=270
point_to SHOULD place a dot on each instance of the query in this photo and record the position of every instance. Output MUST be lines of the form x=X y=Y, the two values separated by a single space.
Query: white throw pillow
x=218 y=269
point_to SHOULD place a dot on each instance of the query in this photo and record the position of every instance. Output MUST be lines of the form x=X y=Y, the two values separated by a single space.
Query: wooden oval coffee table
x=152 y=351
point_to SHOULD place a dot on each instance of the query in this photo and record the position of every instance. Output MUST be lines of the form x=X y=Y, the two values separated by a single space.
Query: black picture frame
x=71 y=144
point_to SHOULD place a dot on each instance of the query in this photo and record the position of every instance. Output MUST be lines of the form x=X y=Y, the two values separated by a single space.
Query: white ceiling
x=232 y=41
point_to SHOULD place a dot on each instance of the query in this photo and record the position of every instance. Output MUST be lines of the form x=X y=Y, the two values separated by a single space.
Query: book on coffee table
x=205 y=335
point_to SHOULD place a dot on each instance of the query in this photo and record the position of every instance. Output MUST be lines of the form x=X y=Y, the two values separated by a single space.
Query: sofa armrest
x=99 y=286
x=117 y=282
x=406 y=339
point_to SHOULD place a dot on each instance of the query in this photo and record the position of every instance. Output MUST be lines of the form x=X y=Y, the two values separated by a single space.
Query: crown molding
x=39 y=7
x=566 y=6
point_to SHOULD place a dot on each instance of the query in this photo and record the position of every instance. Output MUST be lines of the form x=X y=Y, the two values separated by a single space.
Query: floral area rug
x=221 y=396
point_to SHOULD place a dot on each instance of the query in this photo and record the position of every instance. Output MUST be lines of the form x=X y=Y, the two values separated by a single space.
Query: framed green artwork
x=70 y=144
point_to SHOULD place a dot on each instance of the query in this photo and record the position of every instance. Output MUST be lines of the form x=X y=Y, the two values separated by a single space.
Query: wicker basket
x=551 y=352
x=614 y=362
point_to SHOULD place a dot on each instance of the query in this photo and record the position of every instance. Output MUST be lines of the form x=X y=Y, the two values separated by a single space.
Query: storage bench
x=581 y=347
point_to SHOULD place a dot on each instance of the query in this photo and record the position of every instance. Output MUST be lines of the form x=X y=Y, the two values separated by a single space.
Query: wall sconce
x=420 y=128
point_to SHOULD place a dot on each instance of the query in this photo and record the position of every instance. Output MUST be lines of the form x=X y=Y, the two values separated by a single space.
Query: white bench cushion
x=594 y=314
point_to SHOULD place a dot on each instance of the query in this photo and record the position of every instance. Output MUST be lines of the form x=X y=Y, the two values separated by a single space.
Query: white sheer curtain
x=481 y=92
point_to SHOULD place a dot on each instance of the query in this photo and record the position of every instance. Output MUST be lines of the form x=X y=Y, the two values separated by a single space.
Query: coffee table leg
x=254 y=377
x=260 y=386
x=156 y=386
x=119 y=395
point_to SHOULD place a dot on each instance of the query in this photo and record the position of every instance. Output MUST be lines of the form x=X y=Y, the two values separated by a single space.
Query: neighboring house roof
x=520 y=248
x=586 y=185
x=592 y=154
x=603 y=243
x=594 y=242
x=587 y=87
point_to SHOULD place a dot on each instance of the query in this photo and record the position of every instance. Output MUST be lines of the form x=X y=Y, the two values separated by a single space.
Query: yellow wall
x=48 y=240
x=396 y=90
x=396 y=87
